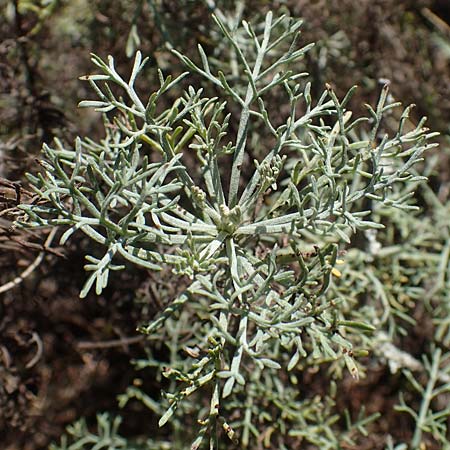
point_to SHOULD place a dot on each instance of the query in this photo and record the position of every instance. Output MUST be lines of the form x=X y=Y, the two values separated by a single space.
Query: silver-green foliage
x=106 y=437
x=259 y=240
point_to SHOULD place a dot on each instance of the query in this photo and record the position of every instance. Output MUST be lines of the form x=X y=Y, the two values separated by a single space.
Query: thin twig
x=13 y=283
x=437 y=22
x=32 y=245
x=40 y=347
x=87 y=345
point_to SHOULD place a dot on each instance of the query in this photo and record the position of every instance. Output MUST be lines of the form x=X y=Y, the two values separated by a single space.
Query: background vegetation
x=62 y=358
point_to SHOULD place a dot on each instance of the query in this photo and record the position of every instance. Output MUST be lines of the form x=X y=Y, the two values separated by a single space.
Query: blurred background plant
x=354 y=44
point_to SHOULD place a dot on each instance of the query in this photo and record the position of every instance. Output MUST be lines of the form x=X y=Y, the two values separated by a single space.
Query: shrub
x=270 y=219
